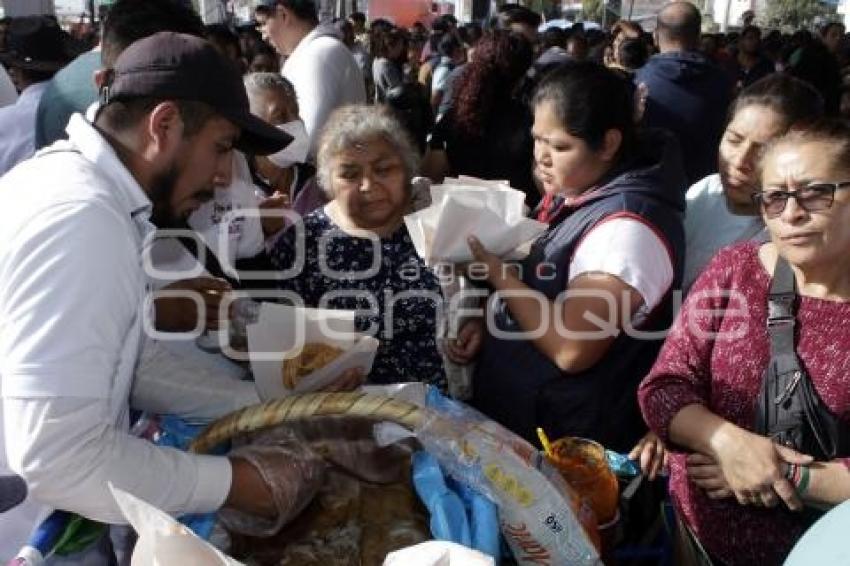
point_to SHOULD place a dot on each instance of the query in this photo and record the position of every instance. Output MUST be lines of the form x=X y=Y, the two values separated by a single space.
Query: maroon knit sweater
x=717 y=359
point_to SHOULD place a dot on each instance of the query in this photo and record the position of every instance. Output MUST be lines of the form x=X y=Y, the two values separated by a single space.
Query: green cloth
x=71 y=90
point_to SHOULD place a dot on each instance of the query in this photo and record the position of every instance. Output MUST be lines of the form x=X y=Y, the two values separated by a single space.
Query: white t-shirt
x=228 y=225
x=629 y=249
x=325 y=76
x=710 y=226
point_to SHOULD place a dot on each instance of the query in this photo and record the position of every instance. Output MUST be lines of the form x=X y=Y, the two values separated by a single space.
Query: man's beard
x=162 y=188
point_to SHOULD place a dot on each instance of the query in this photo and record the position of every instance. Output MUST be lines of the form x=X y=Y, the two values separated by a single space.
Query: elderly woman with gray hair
x=286 y=175
x=355 y=252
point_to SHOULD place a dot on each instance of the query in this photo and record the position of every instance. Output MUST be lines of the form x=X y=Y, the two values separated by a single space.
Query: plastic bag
x=458 y=513
x=542 y=519
x=346 y=442
x=438 y=553
x=162 y=540
x=293 y=472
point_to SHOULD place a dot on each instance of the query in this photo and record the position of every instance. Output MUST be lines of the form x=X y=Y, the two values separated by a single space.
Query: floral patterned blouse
x=395 y=294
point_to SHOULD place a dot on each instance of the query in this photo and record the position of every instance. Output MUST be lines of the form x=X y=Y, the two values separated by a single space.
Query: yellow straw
x=544 y=440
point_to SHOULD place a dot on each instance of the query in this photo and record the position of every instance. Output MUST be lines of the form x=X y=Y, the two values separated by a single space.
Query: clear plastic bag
x=543 y=520
x=293 y=472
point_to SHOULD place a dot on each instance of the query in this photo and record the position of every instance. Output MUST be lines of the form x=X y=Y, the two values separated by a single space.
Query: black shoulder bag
x=789 y=409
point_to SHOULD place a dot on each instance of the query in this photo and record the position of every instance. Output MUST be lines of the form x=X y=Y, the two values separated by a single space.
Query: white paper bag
x=162 y=540
x=491 y=211
x=281 y=331
x=438 y=553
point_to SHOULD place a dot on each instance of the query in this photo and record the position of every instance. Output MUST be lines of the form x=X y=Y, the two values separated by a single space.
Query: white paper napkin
x=281 y=331
x=490 y=210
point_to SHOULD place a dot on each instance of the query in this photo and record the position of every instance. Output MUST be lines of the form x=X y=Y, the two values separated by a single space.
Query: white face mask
x=296 y=151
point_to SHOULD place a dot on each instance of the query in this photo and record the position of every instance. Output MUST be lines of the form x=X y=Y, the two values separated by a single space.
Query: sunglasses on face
x=812 y=198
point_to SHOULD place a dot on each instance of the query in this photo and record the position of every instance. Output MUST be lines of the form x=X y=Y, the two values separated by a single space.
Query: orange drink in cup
x=583 y=464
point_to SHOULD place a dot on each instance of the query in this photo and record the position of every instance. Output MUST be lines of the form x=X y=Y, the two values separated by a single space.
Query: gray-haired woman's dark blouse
x=395 y=293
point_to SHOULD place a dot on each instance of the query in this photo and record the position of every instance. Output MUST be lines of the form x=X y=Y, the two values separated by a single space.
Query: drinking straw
x=544 y=441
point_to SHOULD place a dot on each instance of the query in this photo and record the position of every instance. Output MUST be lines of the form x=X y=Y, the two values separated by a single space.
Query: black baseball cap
x=34 y=43
x=177 y=66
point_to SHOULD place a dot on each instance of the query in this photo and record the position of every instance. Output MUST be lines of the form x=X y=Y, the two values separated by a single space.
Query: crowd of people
x=686 y=304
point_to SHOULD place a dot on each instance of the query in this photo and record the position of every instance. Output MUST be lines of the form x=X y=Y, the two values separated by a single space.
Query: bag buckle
x=780 y=311
x=780 y=321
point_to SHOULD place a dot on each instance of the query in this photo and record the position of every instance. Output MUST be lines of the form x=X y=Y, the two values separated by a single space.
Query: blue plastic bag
x=458 y=513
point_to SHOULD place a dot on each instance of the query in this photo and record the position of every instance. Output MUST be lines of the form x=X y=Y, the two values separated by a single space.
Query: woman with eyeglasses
x=743 y=497
x=720 y=207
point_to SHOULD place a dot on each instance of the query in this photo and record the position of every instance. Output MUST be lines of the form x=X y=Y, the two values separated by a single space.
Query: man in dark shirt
x=687 y=94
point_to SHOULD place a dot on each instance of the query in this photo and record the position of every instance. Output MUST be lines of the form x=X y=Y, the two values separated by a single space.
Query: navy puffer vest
x=517 y=385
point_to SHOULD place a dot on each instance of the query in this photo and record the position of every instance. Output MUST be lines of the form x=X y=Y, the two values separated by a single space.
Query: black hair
x=510 y=14
x=121 y=115
x=751 y=29
x=223 y=39
x=303 y=9
x=385 y=42
x=817 y=66
x=473 y=32
x=358 y=17
x=827 y=26
x=448 y=45
x=633 y=53
x=553 y=37
x=265 y=11
x=131 y=20
x=797 y=102
x=441 y=25
x=589 y=100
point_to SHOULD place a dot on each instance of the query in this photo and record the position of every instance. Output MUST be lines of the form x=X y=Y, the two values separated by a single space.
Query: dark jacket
x=689 y=96
x=517 y=385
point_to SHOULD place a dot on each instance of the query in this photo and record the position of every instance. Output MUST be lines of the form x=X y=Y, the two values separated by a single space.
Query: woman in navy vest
x=573 y=327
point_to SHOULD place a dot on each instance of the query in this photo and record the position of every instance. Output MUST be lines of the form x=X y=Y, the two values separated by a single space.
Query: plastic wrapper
x=293 y=472
x=438 y=553
x=347 y=444
x=542 y=519
x=162 y=540
x=458 y=304
x=364 y=509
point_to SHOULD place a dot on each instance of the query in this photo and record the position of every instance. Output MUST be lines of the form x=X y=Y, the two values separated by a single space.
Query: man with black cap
x=35 y=52
x=318 y=64
x=73 y=223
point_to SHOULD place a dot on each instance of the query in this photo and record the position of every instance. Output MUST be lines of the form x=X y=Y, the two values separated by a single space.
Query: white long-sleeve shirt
x=17 y=124
x=325 y=76
x=73 y=222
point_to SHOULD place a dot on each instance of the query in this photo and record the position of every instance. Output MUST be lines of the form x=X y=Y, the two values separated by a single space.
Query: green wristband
x=804 y=480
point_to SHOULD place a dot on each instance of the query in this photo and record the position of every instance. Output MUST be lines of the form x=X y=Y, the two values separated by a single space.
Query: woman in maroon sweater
x=729 y=484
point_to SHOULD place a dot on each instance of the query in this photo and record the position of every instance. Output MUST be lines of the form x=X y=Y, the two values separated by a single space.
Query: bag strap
x=781 y=321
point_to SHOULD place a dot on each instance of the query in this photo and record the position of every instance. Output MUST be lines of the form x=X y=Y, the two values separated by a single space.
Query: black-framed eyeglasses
x=813 y=197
